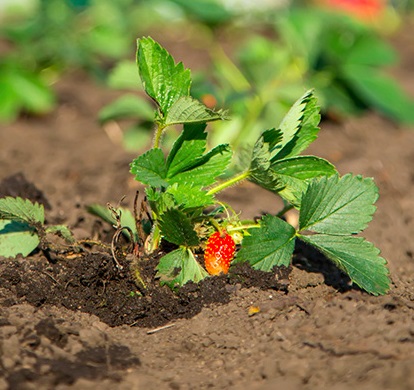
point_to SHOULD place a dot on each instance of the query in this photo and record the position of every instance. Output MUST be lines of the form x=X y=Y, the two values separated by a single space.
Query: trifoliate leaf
x=186 y=163
x=186 y=157
x=357 y=257
x=338 y=205
x=206 y=169
x=191 y=132
x=299 y=127
x=179 y=267
x=294 y=173
x=189 y=110
x=150 y=168
x=22 y=210
x=269 y=245
x=267 y=179
x=159 y=201
x=260 y=172
x=263 y=148
x=163 y=80
x=190 y=197
x=177 y=228
x=17 y=237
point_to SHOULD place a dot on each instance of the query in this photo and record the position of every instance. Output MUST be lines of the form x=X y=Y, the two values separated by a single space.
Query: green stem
x=243 y=227
x=228 y=183
x=158 y=134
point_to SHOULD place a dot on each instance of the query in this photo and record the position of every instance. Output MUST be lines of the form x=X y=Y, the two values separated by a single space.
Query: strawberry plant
x=181 y=189
x=182 y=186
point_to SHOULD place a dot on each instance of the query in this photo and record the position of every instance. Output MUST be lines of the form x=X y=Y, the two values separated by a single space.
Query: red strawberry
x=219 y=253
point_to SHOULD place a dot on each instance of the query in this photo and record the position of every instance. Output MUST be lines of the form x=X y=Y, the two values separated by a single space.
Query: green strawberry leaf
x=304 y=167
x=188 y=148
x=163 y=80
x=177 y=228
x=150 y=168
x=370 y=50
x=23 y=90
x=259 y=171
x=268 y=246
x=338 y=205
x=179 y=267
x=189 y=110
x=263 y=148
x=190 y=197
x=186 y=163
x=127 y=106
x=124 y=76
x=21 y=210
x=204 y=170
x=294 y=173
x=357 y=257
x=17 y=237
x=159 y=201
x=299 y=127
x=267 y=179
x=381 y=92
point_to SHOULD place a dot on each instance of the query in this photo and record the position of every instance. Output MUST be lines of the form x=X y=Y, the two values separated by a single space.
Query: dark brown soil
x=78 y=322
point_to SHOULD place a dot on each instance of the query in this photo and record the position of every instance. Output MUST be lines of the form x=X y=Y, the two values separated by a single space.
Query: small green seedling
x=181 y=187
x=22 y=228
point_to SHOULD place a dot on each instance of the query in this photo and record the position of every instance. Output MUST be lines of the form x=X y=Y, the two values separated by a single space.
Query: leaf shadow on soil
x=311 y=260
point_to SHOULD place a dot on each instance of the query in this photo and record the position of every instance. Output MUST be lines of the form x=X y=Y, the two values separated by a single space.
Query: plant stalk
x=243 y=227
x=228 y=183
x=158 y=134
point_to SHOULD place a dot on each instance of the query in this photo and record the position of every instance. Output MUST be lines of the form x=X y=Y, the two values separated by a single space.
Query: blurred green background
x=253 y=58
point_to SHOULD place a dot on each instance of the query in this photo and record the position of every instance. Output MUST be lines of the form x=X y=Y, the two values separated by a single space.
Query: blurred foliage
x=275 y=55
x=260 y=56
x=46 y=38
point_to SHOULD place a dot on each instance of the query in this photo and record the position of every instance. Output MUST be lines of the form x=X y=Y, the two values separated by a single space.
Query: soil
x=76 y=321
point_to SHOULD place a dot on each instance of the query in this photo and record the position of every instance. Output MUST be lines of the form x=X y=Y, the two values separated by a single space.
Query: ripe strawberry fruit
x=219 y=253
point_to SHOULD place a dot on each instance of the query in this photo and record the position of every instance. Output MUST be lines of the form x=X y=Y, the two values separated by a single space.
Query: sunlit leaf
x=338 y=205
x=16 y=238
x=299 y=127
x=189 y=110
x=356 y=257
x=269 y=245
x=149 y=168
x=179 y=267
x=177 y=228
x=21 y=210
x=206 y=169
x=163 y=80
